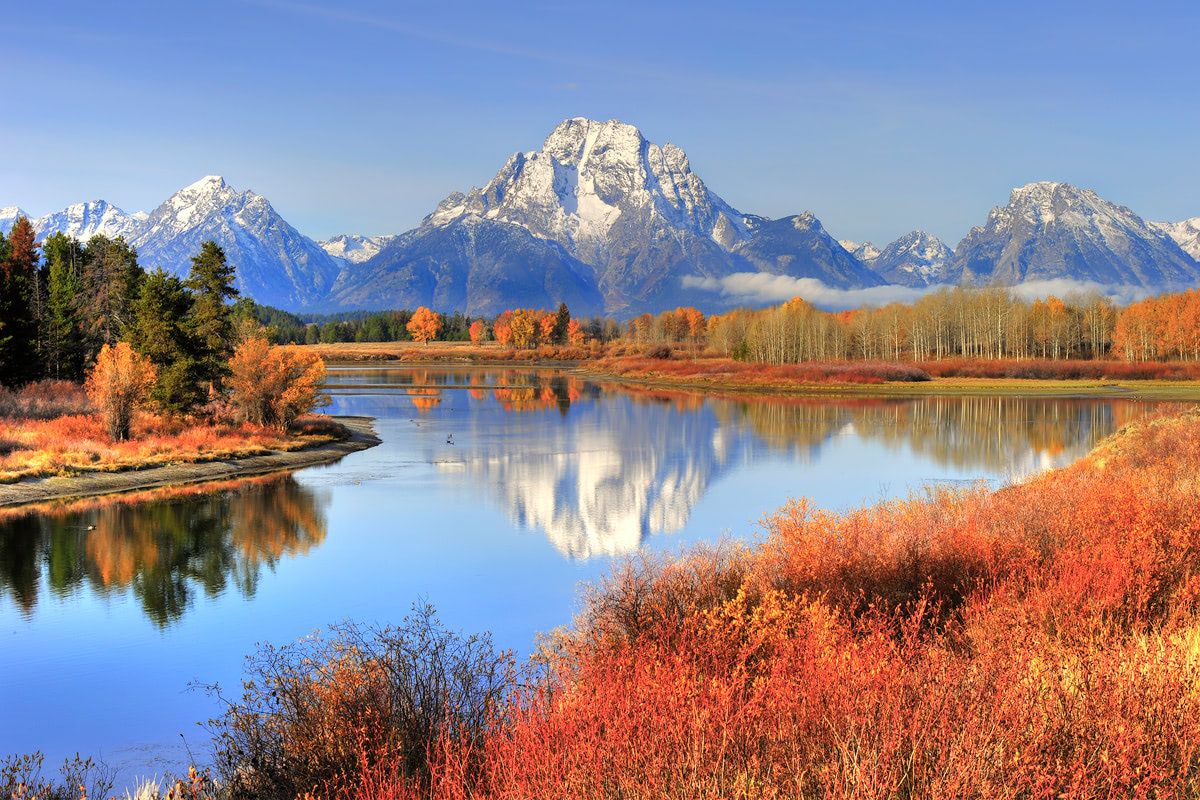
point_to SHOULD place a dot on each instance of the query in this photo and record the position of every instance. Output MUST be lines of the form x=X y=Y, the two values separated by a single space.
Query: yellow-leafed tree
x=272 y=385
x=119 y=383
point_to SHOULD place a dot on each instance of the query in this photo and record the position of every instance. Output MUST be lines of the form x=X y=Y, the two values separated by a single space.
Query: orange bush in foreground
x=1038 y=641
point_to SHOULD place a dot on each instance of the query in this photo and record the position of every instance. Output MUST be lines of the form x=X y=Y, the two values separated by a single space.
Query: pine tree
x=160 y=330
x=62 y=335
x=562 y=322
x=211 y=282
x=112 y=280
x=19 y=363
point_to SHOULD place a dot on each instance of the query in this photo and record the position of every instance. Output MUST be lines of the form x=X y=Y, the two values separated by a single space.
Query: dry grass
x=75 y=444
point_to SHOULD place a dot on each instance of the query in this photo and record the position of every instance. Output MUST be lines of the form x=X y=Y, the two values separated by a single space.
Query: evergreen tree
x=62 y=336
x=562 y=323
x=211 y=282
x=112 y=280
x=161 y=331
x=19 y=363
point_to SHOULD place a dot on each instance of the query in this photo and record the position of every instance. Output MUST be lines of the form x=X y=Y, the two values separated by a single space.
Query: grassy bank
x=1038 y=641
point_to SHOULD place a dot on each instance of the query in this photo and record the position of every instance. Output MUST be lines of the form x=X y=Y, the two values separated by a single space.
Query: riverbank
x=360 y=436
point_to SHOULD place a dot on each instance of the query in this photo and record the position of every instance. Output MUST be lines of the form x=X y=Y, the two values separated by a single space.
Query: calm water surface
x=493 y=495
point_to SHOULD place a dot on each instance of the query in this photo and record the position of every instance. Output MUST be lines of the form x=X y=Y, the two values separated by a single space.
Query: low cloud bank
x=760 y=289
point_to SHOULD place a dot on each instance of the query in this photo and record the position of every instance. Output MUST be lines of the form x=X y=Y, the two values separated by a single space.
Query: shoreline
x=362 y=437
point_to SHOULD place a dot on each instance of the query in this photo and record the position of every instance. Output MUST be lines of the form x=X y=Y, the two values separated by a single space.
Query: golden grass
x=76 y=444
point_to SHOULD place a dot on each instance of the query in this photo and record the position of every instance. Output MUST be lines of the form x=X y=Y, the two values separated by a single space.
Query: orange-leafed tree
x=118 y=384
x=425 y=325
x=546 y=329
x=478 y=331
x=575 y=334
x=502 y=329
x=272 y=385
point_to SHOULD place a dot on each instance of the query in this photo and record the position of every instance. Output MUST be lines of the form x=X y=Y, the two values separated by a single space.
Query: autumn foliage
x=272 y=385
x=1042 y=640
x=424 y=325
x=119 y=382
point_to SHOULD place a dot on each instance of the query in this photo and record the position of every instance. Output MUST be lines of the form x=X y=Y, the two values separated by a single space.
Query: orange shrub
x=272 y=385
x=119 y=382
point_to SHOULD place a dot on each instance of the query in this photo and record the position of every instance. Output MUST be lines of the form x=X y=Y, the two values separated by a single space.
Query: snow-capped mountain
x=354 y=248
x=274 y=263
x=85 y=220
x=633 y=211
x=1186 y=234
x=9 y=216
x=632 y=218
x=1055 y=230
x=915 y=259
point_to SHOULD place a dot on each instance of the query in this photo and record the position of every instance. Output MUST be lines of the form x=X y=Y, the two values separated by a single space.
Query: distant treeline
x=286 y=327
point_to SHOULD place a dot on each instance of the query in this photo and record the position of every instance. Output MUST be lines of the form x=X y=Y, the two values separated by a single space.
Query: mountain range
x=608 y=222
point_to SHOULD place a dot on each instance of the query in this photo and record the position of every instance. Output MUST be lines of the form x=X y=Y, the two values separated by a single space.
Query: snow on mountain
x=1054 y=230
x=865 y=252
x=85 y=220
x=915 y=259
x=273 y=262
x=353 y=248
x=1186 y=234
x=9 y=216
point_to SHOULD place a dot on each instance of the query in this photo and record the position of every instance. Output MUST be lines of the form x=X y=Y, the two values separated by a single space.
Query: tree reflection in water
x=164 y=547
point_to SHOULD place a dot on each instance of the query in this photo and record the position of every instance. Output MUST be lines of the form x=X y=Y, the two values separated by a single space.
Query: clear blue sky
x=357 y=117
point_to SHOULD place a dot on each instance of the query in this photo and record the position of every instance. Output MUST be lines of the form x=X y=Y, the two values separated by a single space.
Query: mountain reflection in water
x=162 y=547
x=638 y=460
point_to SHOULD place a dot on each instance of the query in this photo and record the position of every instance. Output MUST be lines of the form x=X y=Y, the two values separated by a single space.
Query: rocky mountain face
x=274 y=263
x=799 y=247
x=916 y=259
x=1186 y=234
x=475 y=265
x=1055 y=230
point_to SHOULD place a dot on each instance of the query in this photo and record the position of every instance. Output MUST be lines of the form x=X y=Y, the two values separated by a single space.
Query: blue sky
x=357 y=117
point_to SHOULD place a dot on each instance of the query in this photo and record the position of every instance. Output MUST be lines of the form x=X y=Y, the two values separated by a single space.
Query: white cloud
x=760 y=288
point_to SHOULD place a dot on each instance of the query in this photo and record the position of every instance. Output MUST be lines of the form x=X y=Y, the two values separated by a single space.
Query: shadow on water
x=164 y=548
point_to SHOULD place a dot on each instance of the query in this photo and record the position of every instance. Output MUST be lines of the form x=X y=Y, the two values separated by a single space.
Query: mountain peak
x=209 y=184
x=1052 y=230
